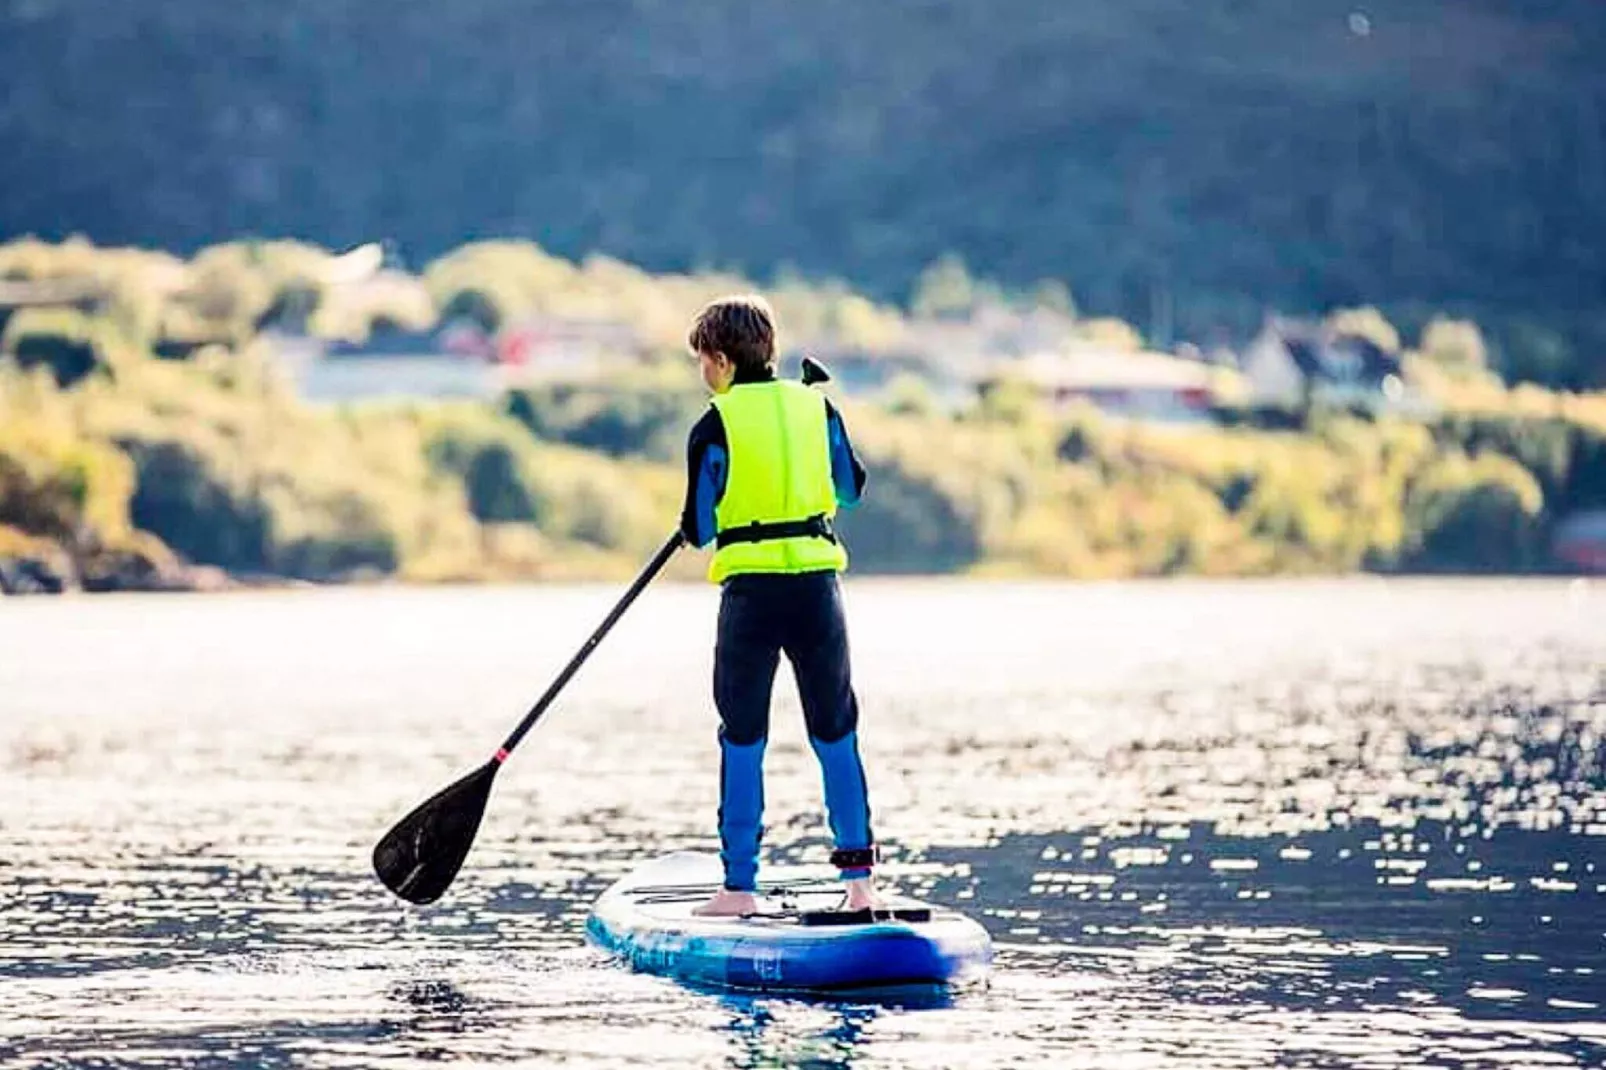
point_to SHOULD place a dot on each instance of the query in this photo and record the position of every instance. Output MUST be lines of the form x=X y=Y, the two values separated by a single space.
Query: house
x=1294 y=364
x=569 y=348
x=454 y=361
x=1580 y=541
x=1127 y=385
x=457 y=340
x=993 y=331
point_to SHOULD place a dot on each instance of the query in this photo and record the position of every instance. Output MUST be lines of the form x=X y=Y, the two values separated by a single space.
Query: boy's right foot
x=727 y=903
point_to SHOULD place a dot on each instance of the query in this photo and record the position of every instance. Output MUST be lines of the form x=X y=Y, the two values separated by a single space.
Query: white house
x=456 y=361
x=1131 y=385
x=1292 y=363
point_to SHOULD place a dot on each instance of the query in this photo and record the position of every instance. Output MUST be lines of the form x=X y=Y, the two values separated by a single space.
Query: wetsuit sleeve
x=706 y=470
x=847 y=474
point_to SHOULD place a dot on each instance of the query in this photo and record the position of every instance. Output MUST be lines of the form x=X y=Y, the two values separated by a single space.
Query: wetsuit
x=764 y=451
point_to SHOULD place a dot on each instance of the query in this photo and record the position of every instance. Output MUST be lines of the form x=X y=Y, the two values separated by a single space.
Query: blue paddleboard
x=799 y=945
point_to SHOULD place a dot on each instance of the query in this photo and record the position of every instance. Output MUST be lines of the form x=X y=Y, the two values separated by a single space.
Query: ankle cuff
x=855 y=857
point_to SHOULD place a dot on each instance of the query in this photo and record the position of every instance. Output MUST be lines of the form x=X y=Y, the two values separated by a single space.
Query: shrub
x=616 y=505
x=475 y=305
x=58 y=486
x=620 y=419
x=910 y=523
x=329 y=535
x=493 y=457
x=1455 y=344
x=62 y=341
x=1367 y=323
x=1567 y=456
x=1473 y=514
x=189 y=499
x=212 y=454
x=910 y=395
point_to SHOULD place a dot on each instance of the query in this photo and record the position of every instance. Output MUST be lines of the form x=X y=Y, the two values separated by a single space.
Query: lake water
x=1355 y=824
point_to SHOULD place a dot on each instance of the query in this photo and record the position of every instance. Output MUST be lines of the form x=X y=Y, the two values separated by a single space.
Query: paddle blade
x=419 y=857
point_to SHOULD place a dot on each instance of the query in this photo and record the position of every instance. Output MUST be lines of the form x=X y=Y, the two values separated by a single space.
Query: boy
x=767 y=466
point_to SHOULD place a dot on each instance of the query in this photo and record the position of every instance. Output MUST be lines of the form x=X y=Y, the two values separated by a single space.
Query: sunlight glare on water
x=1207 y=824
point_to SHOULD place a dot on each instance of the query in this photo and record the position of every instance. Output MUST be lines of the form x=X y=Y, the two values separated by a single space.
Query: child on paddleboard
x=767 y=467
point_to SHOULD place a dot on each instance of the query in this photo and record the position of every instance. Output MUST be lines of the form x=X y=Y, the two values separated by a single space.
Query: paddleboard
x=800 y=943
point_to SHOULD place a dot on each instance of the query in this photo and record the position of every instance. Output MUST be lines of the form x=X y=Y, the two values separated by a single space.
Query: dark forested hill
x=1177 y=161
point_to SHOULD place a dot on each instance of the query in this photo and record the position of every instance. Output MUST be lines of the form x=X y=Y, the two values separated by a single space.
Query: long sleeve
x=847 y=474
x=707 y=466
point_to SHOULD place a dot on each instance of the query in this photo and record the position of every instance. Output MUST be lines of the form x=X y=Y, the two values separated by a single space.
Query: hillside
x=120 y=468
x=1182 y=165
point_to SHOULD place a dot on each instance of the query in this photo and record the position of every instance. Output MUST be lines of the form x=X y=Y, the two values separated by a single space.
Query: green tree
x=292 y=306
x=945 y=289
x=477 y=306
x=1455 y=344
x=1053 y=295
x=1367 y=323
x=64 y=342
x=1474 y=515
x=1538 y=353
x=187 y=497
x=495 y=461
x=910 y=395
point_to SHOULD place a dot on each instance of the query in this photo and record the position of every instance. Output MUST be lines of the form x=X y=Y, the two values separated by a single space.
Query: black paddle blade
x=419 y=857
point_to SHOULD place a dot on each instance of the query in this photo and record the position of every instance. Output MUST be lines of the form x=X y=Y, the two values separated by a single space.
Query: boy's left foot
x=861 y=895
x=727 y=903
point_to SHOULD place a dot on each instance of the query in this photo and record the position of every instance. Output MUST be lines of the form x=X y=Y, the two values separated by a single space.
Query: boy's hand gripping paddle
x=419 y=857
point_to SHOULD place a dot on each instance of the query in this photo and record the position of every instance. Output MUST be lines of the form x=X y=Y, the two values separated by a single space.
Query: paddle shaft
x=652 y=568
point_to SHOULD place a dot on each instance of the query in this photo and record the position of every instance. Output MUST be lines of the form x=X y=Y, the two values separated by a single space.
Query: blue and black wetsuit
x=762 y=616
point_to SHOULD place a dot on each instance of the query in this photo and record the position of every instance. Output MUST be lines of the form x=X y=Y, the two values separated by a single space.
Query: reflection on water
x=1207 y=824
x=765 y=1035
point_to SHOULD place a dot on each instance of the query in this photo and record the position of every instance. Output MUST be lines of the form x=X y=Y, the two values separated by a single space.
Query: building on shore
x=1294 y=364
x=455 y=360
x=1580 y=541
x=1153 y=387
x=391 y=364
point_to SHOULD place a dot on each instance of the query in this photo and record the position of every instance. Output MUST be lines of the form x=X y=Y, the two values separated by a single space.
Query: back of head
x=742 y=327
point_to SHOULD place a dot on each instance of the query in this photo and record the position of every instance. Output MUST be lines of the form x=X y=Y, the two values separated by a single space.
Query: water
x=1292 y=824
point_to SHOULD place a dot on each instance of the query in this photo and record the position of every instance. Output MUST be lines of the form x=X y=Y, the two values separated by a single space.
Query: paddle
x=419 y=857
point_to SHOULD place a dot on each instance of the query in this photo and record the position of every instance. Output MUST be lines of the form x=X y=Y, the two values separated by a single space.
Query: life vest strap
x=817 y=526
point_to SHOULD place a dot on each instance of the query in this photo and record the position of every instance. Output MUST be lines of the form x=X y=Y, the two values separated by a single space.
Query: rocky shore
x=40 y=566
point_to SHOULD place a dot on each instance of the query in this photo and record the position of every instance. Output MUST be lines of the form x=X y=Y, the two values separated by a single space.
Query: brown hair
x=741 y=327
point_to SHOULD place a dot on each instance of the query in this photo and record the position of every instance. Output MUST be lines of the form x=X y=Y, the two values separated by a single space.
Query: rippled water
x=1313 y=824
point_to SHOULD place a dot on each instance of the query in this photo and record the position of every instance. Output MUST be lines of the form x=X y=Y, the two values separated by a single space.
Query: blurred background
x=328 y=291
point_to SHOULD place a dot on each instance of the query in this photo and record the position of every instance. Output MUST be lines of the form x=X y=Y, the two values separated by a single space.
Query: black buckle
x=817 y=526
x=816 y=918
x=855 y=858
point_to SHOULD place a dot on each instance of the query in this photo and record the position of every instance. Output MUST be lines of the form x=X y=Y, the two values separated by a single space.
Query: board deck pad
x=800 y=941
x=863 y=917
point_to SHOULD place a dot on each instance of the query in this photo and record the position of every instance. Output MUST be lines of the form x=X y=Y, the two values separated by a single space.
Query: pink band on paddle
x=501 y=755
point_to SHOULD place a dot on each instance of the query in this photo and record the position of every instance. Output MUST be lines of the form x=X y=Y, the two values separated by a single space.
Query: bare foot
x=861 y=895
x=728 y=904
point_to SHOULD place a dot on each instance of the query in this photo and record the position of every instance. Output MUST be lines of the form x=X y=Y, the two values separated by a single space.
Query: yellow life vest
x=775 y=515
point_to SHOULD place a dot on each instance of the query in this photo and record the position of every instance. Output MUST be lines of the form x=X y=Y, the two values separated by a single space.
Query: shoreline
x=232 y=585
